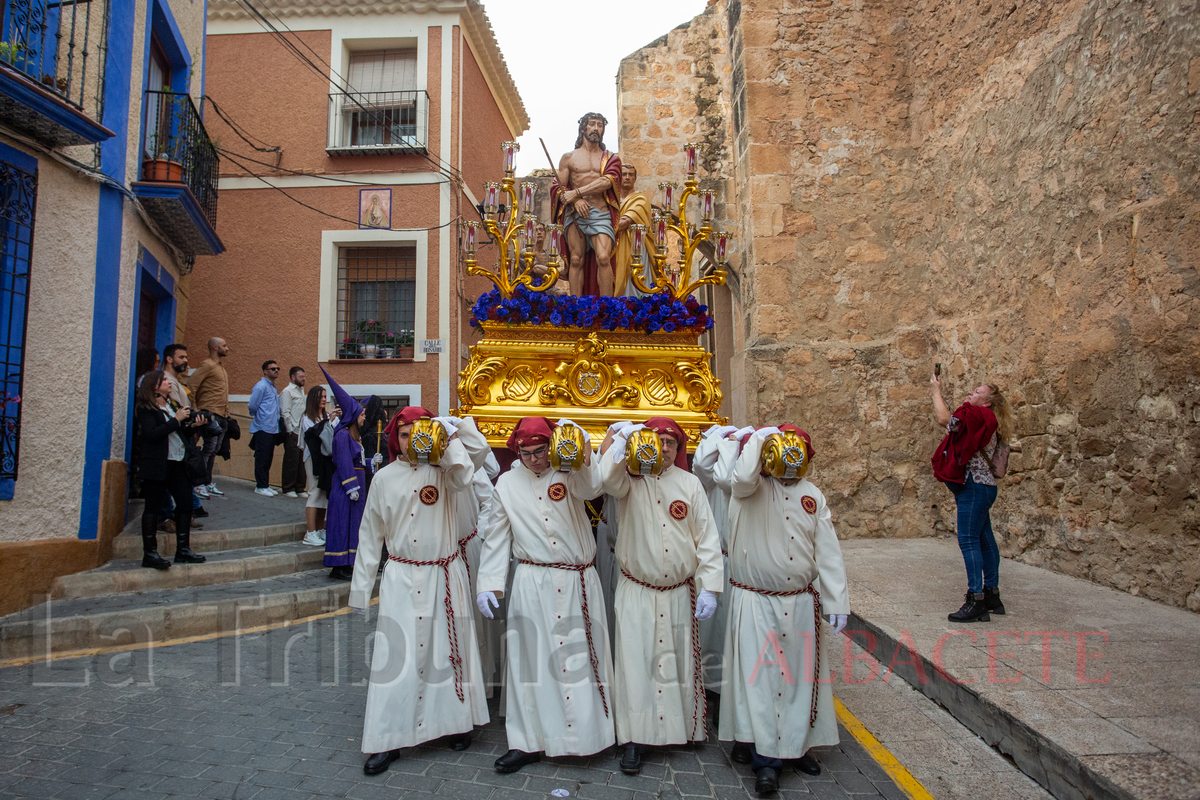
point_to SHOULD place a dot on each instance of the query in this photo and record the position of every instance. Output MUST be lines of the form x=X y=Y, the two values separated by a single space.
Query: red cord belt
x=699 y=699
x=812 y=714
x=587 y=617
x=452 y=630
x=462 y=548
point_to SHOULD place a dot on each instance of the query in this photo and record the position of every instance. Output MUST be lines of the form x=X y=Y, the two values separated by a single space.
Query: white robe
x=667 y=535
x=713 y=465
x=412 y=697
x=553 y=702
x=776 y=544
x=469 y=508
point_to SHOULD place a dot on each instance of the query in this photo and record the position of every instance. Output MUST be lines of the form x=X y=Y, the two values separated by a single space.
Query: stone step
x=204 y=541
x=155 y=616
x=227 y=566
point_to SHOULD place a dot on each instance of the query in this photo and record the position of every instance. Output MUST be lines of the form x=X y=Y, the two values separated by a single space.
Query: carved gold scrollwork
x=521 y=382
x=658 y=387
x=588 y=379
x=497 y=429
x=475 y=387
x=703 y=392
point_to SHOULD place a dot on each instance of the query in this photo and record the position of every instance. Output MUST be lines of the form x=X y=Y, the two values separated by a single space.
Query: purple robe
x=343 y=516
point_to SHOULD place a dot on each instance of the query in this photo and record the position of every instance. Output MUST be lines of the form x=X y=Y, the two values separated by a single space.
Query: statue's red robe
x=610 y=167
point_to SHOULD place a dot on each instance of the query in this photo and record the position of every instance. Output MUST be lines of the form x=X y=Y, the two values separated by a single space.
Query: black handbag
x=281 y=433
x=195 y=465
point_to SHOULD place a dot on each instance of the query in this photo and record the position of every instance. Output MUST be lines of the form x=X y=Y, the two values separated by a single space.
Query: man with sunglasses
x=555 y=704
x=671 y=571
x=264 y=427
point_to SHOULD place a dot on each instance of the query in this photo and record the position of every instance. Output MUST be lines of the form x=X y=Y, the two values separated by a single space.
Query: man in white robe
x=425 y=674
x=557 y=703
x=715 y=455
x=669 y=553
x=781 y=539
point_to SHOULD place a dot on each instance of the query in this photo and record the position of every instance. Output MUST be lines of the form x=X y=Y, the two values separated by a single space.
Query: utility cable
x=228 y=153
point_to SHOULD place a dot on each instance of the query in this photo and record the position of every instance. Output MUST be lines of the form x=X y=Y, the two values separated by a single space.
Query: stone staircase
x=254 y=576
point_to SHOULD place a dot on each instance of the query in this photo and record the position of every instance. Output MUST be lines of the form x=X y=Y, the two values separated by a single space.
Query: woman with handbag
x=968 y=462
x=162 y=467
x=317 y=466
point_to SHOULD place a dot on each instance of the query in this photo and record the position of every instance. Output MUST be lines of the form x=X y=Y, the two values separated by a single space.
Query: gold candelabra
x=516 y=237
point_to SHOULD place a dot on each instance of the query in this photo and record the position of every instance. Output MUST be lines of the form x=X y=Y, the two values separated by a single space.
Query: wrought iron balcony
x=52 y=58
x=179 y=173
x=364 y=123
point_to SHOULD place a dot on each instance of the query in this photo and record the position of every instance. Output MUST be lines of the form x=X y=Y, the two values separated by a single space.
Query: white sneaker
x=313 y=538
x=291 y=494
x=301 y=494
x=264 y=492
x=212 y=489
x=202 y=492
x=272 y=491
x=321 y=533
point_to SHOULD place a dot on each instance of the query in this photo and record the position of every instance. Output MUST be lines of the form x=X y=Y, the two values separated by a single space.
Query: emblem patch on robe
x=679 y=510
x=809 y=504
x=557 y=491
x=429 y=495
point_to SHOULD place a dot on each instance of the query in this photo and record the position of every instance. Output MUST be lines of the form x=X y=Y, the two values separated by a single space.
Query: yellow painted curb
x=895 y=770
x=125 y=648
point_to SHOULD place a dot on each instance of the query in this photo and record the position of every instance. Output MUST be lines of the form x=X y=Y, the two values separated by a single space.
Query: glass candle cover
x=660 y=231
x=527 y=197
x=471 y=228
x=722 y=243
x=707 y=204
x=690 y=151
x=489 y=203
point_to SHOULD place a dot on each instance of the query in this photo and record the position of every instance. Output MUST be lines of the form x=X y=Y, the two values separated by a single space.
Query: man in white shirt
x=669 y=553
x=556 y=608
x=292 y=400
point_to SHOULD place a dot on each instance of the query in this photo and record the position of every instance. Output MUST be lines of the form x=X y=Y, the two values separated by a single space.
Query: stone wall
x=1009 y=189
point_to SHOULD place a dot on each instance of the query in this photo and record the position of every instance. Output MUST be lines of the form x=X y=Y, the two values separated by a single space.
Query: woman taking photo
x=317 y=466
x=963 y=461
x=160 y=463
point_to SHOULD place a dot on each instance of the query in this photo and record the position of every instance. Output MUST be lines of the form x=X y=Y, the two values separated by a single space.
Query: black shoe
x=341 y=573
x=460 y=742
x=184 y=555
x=991 y=600
x=513 y=760
x=973 y=610
x=808 y=765
x=741 y=753
x=767 y=781
x=199 y=512
x=150 y=556
x=378 y=762
x=631 y=761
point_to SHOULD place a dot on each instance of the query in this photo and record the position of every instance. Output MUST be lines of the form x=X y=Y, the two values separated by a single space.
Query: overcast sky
x=564 y=58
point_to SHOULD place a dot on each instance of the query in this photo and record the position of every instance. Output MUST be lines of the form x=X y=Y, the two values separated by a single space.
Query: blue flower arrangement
x=656 y=312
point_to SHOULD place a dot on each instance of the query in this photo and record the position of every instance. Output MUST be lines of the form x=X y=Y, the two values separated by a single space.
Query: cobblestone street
x=278 y=714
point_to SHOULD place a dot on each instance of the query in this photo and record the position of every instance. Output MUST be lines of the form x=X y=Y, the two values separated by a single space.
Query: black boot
x=991 y=600
x=631 y=761
x=973 y=610
x=183 y=550
x=150 y=556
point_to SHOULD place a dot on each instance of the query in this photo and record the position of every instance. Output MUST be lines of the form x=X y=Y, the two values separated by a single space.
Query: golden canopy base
x=593 y=378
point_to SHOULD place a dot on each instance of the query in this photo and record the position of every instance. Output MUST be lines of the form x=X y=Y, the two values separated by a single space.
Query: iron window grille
x=381 y=122
x=177 y=149
x=377 y=290
x=18 y=202
x=60 y=45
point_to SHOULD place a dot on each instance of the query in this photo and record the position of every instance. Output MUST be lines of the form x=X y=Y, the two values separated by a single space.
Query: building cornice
x=471 y=13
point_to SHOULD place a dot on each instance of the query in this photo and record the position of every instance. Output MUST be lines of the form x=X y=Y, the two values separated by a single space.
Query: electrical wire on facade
x=318 y=176
x=374 y=114
x=242 y=133
x=236 y=160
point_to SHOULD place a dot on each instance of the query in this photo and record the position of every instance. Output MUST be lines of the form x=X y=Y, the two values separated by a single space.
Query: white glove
x=763 y=433
x=715 y=430
x=621 y=428
x=353 y=496
x=376 y=462
x=483 y=600
x=618 y=444
x=706 y=604
x=838 y=621
x=587 y=437
x=449 y=423
x=740 y=433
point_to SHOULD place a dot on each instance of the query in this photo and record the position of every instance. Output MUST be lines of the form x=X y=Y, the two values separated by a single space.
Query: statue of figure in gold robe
x=634 y=210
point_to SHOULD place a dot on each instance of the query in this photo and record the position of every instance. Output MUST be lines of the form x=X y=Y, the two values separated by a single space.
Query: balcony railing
x=378 y=122
x=60 y=48
x=177 y=148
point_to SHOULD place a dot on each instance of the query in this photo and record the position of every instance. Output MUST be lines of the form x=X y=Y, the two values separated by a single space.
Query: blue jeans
x=975 y=537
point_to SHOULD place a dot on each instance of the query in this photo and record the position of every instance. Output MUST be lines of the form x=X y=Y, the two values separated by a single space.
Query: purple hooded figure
x=348 y=489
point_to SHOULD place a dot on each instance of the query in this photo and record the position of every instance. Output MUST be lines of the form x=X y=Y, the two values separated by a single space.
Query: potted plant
x=162 y=168
x=404 y=344
x=348 y=349
x=370 y=334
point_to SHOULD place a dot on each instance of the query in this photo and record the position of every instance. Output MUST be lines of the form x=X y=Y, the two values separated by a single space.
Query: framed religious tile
x=375 y=208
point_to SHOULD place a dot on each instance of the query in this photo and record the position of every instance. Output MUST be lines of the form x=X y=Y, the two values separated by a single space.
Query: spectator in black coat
x=161 y=464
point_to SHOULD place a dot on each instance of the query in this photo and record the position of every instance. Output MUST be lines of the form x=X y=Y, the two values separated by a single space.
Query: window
x=376 y=301
x=18 y=201
x=380 y=109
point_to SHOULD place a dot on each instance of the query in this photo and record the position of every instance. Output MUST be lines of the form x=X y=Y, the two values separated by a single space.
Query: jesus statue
x=585 y=202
